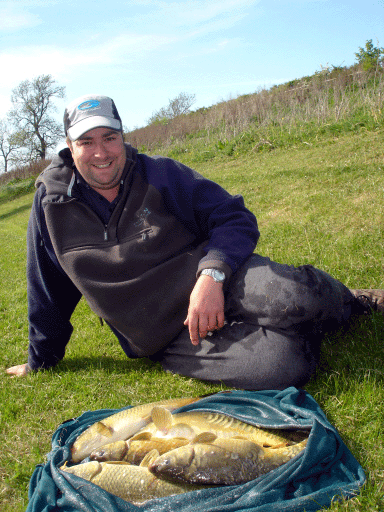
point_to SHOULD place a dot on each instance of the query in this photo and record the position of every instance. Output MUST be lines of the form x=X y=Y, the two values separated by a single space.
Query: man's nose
x=100 y=150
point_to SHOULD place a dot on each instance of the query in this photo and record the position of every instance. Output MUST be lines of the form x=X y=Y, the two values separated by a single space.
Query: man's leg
x=277 y=315
x=244 y=356
x=277 y=296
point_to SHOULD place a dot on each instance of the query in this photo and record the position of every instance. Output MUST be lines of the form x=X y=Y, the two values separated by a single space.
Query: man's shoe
x=370 y=300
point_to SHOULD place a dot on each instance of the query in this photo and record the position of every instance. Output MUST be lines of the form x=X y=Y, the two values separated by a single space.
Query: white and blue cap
x=88 y=112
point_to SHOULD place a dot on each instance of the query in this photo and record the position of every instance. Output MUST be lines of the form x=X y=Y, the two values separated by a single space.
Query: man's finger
x=193 y=326
x=220 y=320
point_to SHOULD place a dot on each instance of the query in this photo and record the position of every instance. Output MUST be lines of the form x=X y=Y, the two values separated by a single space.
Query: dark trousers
x=276 y=318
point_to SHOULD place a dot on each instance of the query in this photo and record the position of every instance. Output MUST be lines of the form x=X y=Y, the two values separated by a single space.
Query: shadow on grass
x=349 y=355
x=107 y=364
x=355 y=348
x=15 y=211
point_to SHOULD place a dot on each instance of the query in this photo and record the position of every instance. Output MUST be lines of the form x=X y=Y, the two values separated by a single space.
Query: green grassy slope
x=319 y=203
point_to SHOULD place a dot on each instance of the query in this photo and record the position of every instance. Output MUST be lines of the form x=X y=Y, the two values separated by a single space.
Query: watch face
x=218 y=275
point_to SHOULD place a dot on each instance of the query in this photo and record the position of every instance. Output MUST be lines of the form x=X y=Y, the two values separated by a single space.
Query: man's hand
x=19 y=370
x=206 y=308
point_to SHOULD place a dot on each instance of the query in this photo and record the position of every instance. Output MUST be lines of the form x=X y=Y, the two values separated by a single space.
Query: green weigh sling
x=325 y=471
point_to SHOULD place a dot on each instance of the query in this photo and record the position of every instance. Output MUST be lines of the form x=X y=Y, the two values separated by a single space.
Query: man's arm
x=206 y=308
x=52 y=298
x=215 y=216
x=208 y=211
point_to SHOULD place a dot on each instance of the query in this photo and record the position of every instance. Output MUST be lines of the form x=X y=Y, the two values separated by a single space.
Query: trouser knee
x=274 y=295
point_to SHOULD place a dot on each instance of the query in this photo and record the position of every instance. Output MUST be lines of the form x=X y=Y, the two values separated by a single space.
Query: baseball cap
x=88 y=112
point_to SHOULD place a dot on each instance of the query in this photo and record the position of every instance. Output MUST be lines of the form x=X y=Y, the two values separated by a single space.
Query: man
x=165 y=258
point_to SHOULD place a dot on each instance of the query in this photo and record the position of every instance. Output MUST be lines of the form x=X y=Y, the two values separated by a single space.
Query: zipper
x=143 y=234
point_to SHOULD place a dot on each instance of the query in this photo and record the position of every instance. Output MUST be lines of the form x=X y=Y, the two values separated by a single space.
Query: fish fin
x=149 y=458
x=141 y=436
x=103 y=429
x=96 y=469
x=162 y=418
x=204 y=437
x=182 y=430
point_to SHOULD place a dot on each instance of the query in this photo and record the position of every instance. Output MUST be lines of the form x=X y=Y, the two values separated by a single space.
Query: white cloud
x=16 y=15
x=31 y=61
x=13 y=18
x=98 y=60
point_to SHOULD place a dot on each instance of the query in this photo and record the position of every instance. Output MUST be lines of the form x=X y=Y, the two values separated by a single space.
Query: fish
x=120 y=426
x=192 y=423
x=135 y=484
x=135 y=449
x=233 y=461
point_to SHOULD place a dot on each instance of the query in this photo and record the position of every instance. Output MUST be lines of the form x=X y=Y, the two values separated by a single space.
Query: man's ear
x=69 y=143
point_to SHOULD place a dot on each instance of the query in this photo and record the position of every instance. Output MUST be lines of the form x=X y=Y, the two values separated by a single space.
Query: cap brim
x=83 y=126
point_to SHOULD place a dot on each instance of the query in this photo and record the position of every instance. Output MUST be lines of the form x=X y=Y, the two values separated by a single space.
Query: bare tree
x=176 y=107
x=33 y=104
x=10 y=144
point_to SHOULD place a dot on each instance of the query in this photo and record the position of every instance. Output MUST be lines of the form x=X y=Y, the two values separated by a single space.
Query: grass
x=16 y=188
x=319 y=203
x=330 y=102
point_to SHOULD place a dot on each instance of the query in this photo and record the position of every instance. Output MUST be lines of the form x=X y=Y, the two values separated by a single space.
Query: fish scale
x=220 y=424
x=222 y=462
x=131 y=483
x=120 y=426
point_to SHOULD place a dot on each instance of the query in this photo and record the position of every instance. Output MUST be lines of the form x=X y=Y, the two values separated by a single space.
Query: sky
x=143 y=53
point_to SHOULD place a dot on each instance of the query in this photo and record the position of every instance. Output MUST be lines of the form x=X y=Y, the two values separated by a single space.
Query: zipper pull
x=105 y=233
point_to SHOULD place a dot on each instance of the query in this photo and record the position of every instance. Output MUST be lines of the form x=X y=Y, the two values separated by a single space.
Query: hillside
x=332 y=102
x=313 y=175
x=319 y=203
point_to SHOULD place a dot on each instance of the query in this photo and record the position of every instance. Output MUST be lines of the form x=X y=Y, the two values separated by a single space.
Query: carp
x=193 y=423
x=135 y=449
x=222 y=461
x=120 y=426
x=135 y=484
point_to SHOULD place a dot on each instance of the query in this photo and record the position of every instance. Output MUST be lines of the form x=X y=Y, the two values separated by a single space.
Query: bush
x=23 y=172
x=16 y=188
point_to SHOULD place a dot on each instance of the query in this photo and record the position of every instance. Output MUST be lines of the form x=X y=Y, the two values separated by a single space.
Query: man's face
x=99 y=156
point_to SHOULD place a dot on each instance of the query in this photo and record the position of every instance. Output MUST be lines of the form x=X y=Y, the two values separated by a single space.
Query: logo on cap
x=88 y=104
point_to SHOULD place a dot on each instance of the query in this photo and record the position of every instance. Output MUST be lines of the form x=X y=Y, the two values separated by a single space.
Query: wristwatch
x=217 y=275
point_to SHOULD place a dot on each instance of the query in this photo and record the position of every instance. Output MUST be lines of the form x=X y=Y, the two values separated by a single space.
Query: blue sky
x=144 y=52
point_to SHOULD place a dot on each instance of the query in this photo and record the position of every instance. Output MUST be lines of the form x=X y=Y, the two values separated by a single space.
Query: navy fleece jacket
x=202 y=206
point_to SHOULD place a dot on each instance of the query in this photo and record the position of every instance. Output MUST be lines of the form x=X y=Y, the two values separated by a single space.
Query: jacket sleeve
x=52 y=297
x=210 y=212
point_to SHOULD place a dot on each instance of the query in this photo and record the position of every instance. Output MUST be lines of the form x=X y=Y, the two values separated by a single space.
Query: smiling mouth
x=102 y=166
